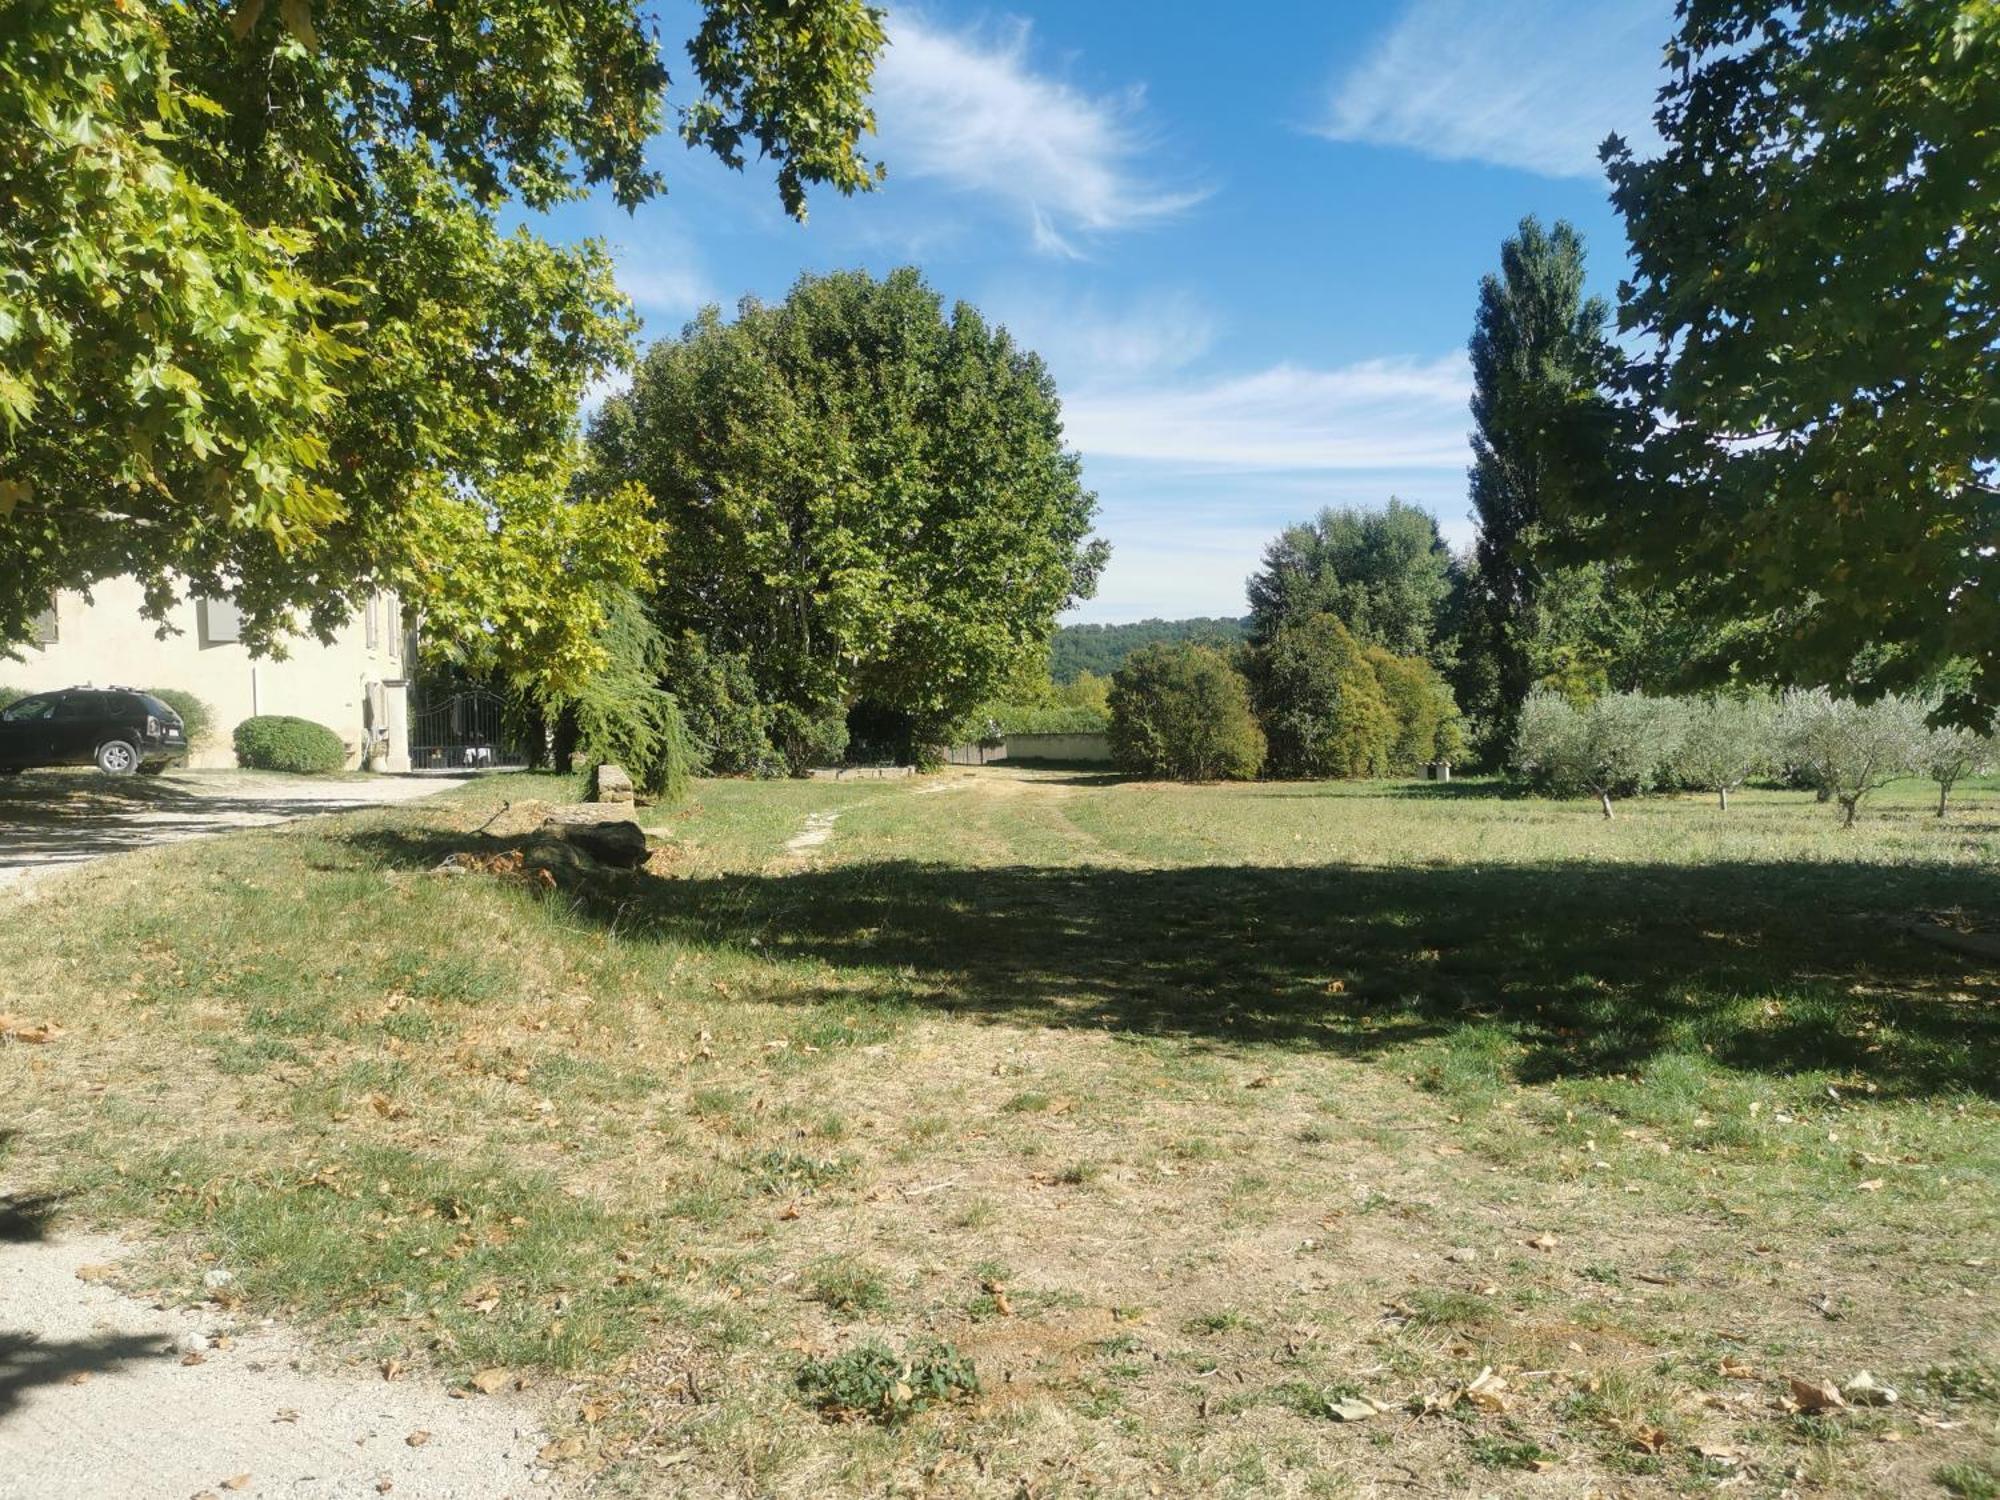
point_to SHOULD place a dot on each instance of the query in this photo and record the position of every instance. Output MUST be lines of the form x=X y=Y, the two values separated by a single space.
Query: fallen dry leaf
x=1865 y=1390
x=237 y=1482
x=96 y=1272
x=558 y=1449
x=1736 y=1369
x=1543 y=1241
x=1816 y=1395
x=1487 y=1391
x=20 y=1029
x=392 y=1369
x=491 y=1381
x=418 y=1438
x=1352 y=1409
x=596 y=1411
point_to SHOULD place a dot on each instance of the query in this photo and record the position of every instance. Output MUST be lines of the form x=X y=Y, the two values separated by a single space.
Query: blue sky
x=1249 y=251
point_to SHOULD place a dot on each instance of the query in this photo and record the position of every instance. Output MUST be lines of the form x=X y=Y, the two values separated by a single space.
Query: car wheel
x=117 y=758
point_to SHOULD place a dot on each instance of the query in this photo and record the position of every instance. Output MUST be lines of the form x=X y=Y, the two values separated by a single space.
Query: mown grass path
x=1192 y=1115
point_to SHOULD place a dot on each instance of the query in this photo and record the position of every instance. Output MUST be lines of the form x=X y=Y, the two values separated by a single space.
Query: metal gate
x=463 y=732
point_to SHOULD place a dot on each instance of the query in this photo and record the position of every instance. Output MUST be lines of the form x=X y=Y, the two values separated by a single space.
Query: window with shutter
x=221 y=622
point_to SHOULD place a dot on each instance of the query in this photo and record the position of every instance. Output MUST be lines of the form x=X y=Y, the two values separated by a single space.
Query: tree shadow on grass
x=1594 y=968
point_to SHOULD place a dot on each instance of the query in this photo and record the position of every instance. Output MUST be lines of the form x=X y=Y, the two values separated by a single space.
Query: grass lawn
x=1228 y=1133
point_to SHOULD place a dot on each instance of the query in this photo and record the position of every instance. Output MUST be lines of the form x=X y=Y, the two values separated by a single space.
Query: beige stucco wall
x=106 y=642
x=1070 y=747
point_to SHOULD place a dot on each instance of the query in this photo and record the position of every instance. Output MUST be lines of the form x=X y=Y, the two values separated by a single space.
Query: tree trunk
x=1604 y=798
x=1723 y=793
x=1848 y=807
x=1944 y=791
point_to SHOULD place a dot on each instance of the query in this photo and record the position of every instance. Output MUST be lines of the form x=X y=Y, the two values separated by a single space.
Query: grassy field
x=1227 y=1135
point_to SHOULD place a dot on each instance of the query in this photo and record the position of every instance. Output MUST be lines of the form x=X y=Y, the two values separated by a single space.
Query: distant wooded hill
x=1103 y=648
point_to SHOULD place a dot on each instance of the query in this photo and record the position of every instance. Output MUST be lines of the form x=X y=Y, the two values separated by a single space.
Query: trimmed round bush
x=197 y=718
x=1183 y=712
x=278 y=742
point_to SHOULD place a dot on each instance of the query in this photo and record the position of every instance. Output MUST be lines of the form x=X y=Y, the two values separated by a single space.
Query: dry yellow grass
x=1193 y=1116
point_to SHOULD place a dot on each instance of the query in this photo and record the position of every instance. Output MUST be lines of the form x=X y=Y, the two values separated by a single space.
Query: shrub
x=1183 y=712
x=1949 y=756
x=727 y=721
x=804 y=738
x=1727 y=741
x=279 y=742
x=11 y=695
x=1848 y=749
x=1042 y=718
x=197 y=718
x=872 y=1382
x=1089 y=691
x=1619 y=746
x=1322 y=704
x=1427 y=727
x=621 y=713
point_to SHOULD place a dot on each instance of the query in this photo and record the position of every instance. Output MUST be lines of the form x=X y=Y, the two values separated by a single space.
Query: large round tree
x=1814 y=298
x=866 y=500
x=265 y=331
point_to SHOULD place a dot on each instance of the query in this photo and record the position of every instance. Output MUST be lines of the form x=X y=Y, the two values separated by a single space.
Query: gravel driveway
x=105 y=1396
x=50 y=820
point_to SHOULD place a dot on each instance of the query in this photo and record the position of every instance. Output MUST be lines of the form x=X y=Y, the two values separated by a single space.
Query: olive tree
x=1726 y=741
x=1951 y=755
x=1848 y=749
x=1618 y=746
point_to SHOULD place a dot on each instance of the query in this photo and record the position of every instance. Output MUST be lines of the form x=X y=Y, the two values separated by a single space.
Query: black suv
x=118 y=730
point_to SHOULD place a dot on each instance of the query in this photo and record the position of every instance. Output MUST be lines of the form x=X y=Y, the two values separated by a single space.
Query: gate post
x=396 y=692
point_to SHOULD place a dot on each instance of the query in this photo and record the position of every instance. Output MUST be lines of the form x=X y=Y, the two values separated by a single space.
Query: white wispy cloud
x=1534 y=84
x=1083 y=340
x=658 y=265
x=1382 y=414
x=968 y=110
x=664 y=287
x=603 y=388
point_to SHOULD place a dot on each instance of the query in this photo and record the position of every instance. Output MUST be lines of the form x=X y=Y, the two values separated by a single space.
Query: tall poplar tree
x=1537 y=358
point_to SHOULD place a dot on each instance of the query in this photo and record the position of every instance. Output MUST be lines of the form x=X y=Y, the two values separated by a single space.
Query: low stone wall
x=863 y=773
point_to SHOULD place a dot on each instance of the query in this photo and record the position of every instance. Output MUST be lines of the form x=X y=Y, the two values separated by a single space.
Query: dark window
x=83 y=706
x=29 y=710
x=47 y=627
x=221 y=622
